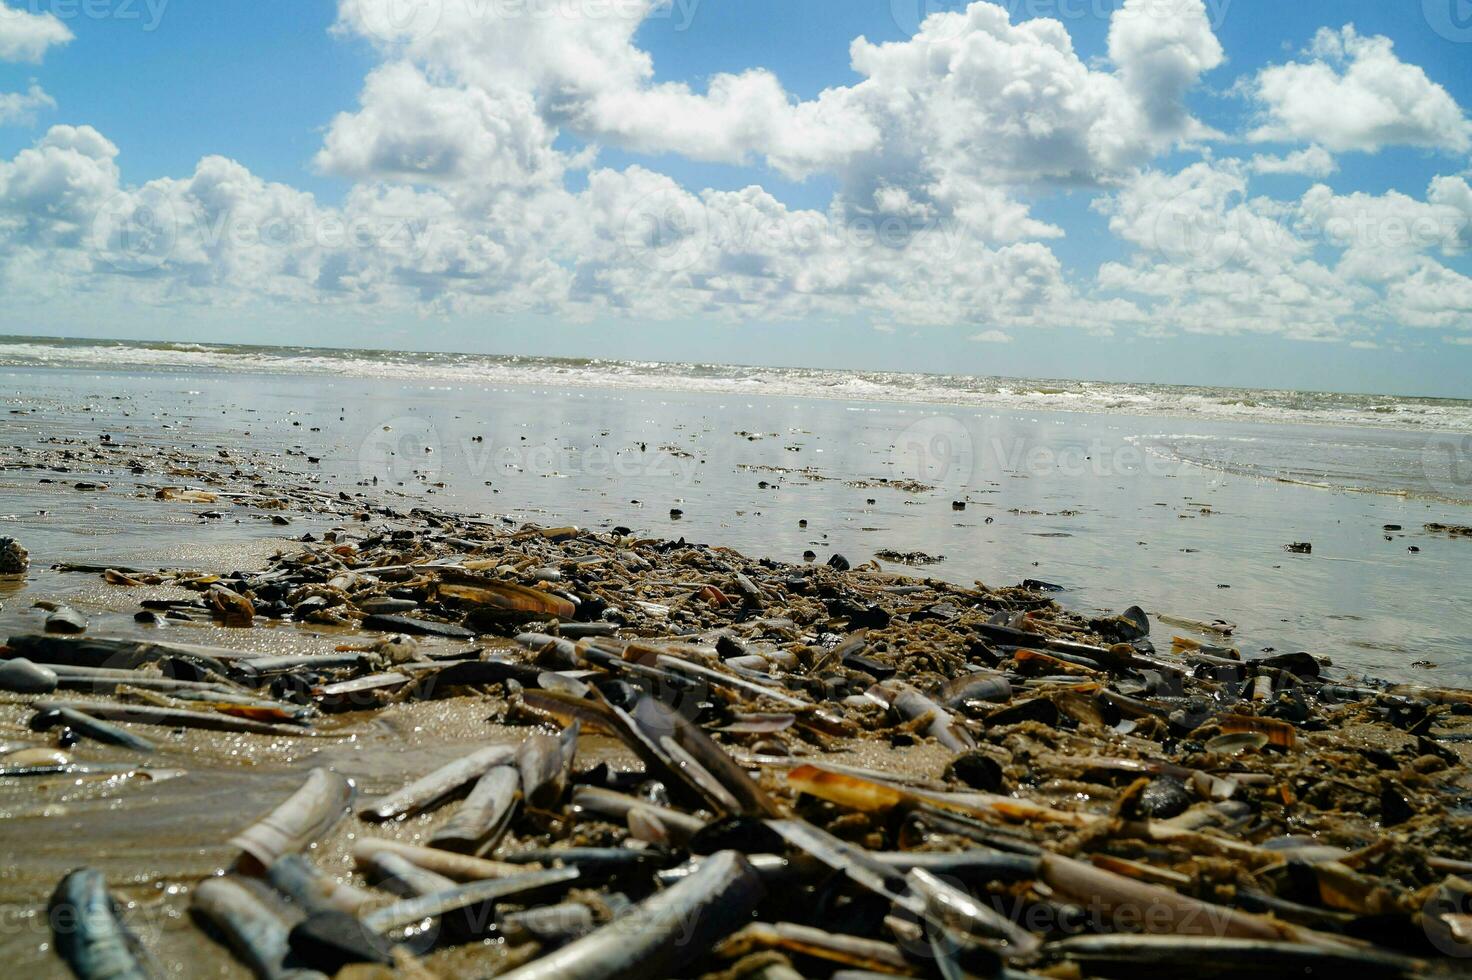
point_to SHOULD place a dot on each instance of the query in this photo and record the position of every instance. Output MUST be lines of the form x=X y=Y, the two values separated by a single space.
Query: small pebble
x=66 y=620
x=23 y=677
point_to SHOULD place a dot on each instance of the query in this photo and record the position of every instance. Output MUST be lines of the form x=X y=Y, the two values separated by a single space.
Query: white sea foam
x=1234 y=404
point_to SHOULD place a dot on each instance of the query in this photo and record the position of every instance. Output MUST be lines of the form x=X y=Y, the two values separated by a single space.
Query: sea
x=1180 y=499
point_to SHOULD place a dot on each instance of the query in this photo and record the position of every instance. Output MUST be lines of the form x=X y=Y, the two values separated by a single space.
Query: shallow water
x=1117 y=509
x=1419 y=413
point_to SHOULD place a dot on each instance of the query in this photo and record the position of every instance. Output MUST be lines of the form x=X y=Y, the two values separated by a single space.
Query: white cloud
x=1433 y=297
x=26 y=36
x=1357 y=95
x=409 y=129
x=1211 y=258
x=475 y=190
x=1162 y=47
x=939 y=124
x=21 y=107
x=1315 y=161
x=51 y=193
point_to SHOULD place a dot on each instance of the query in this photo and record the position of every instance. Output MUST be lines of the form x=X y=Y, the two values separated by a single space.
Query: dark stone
x=23 y=677
x=1164 y=797
x=1394 y=807
x=66 y=620
x=839 y=562
x=1297 y=664
x=977 y=770
x=329 y=941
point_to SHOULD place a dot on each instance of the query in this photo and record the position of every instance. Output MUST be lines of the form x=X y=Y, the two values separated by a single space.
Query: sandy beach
x=157 y=479
x=571 y=490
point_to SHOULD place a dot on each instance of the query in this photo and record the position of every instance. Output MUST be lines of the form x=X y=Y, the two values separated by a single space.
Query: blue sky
x=1035 y=190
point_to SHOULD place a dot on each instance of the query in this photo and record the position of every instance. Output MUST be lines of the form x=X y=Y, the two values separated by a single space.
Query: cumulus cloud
x=26 y=36
x=51 y=193
x=409 y=129
x=1356 y=94
x=939 y=123
x=1212 y=258
x=1162 y=47
x=1315 y=161
x=21 y=107
x=475 y=188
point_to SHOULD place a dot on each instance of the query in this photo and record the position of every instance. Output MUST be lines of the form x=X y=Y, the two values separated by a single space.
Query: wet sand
x=1103 y=505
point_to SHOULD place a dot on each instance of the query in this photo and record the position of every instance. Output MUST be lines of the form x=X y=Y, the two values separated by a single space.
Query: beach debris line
x=829 y=771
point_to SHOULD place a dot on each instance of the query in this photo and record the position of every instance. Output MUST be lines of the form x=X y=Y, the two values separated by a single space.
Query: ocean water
x=1178 y=499
x=1180 y=401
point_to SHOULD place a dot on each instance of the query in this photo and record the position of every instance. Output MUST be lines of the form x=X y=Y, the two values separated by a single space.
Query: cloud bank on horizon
x=476 y=185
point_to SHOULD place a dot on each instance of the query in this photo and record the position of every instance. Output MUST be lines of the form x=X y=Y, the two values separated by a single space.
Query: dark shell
x=1164 y=798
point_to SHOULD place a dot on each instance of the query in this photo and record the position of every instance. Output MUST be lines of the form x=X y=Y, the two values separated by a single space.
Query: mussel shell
x=1165 y=797
x=1235 y=742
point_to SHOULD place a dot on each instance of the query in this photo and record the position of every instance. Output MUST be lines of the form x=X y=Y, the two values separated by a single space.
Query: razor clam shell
x=306 y=815
x=476 y=893
x=482 y=819
x=314 y=889
x=396 y=873
x=89 y=932
x=544 y=762
x=428 y=791
x=1206 y=957
x=662 y=933
x=460 y=867
x=255 y=930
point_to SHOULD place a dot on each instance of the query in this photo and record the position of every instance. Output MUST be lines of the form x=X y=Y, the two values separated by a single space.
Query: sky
x=1240 y=192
